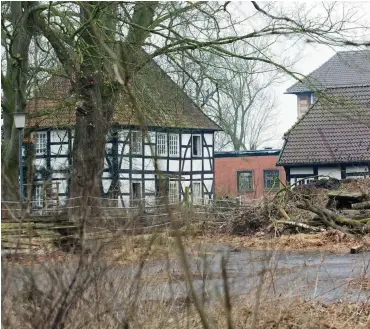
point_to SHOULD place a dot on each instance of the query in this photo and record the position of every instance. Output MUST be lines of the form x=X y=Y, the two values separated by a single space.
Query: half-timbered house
x=180 y=139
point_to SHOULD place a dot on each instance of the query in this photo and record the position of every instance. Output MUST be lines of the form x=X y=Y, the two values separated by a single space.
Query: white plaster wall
x=173 y=165
x=40 y=163
x=333 y=172
x=162 y=164
x=301 y=171
x=208 y=138
x=125 y=186
x=185 y=138
x=148 y=164
x=59 y=149
x=197 y=176
x=106 y=184
x=58 y=175
x=137 y=163
x=125 y=163
x=187 y=165
x=207 y=165
x=197 y=165
x=58 y=136
x=59 y=163
x=208 y=184
x=207 y=151
x=150 y=186
x=208 y=176
x=148 y=150
x=136 y=176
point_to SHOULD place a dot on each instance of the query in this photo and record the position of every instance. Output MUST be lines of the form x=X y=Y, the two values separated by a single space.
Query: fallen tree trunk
x=361 y=205
x=297 y=224
x=331 y=219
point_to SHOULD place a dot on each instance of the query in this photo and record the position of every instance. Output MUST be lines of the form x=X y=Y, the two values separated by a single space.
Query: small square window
x=136 y=142
x=271 y=179
x=197 y=146
x=40 y=142
x=174 y=145
x=245 y=181
x=162 y=144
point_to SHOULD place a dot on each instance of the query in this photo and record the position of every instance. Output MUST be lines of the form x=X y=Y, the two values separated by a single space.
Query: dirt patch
x=324 y=241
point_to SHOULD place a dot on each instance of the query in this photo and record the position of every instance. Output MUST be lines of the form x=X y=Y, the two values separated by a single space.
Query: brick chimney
x=303 y=103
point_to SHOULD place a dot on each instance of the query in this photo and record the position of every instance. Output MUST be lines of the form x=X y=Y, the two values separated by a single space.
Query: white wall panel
x=148 y=164
x=59 y=163
x=197 y=165
x=207 y=151
x=174 y=165
x=208 y=138
x=148 y=150
x=208 y=184
x=207 y=165
x=333 y=172
x=162 y=164
x=58 y=136
x=196 y=176
x=59 y=149
x=185 y=138
x=150 y=186
x=125 y=163
x=301 y=171
x=137 y=163
x=106 y=184
x=208 y=176
x=125 y=185
x=187 y=165
x=40 y=163
x=136 y=176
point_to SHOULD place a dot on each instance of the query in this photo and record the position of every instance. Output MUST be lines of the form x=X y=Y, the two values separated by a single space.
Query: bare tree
x=97 y=44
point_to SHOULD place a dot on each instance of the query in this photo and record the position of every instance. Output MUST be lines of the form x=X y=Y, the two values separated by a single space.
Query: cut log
x=356 y=249
x=361 y=205
x=351 y=196
x=301 y=225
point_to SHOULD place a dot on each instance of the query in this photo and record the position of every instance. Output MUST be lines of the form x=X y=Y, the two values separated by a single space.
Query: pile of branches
x=332 y=205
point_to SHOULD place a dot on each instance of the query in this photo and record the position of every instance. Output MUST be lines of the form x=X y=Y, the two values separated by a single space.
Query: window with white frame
x=40 y=142
x=38 y=197
x=136 y=142
x=196 y=145
x=162 y=144
x=174 y=145
x=173 y=191
x=196 y=192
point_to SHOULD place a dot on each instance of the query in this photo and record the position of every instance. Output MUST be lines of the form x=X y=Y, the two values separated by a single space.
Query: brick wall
x=226 y=174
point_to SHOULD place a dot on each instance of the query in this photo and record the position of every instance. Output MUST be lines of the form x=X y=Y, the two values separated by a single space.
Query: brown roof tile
x=161 y=100
x=334 y=130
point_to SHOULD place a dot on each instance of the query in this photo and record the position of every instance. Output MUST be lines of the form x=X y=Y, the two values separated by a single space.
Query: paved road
x=324 y=276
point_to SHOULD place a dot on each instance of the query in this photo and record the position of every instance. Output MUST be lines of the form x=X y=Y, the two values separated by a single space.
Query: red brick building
x=252 y=174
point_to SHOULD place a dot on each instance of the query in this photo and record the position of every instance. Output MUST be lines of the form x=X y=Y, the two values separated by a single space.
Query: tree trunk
x=14 y=94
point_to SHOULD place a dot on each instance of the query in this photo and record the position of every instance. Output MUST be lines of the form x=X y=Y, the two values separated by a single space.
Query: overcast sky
x=310 y=58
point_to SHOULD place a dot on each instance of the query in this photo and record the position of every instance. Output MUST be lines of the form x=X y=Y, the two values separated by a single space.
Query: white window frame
x=136 y=148
x=200 y=145
x=40 y=142
x=162 y=144
x=38 y=196
x=173 y=191
x=196 y=198
x=174 y=147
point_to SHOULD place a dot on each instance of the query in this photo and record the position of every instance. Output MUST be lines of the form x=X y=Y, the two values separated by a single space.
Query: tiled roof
x=160 y=99
x=344 y=69
x=334 y=130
